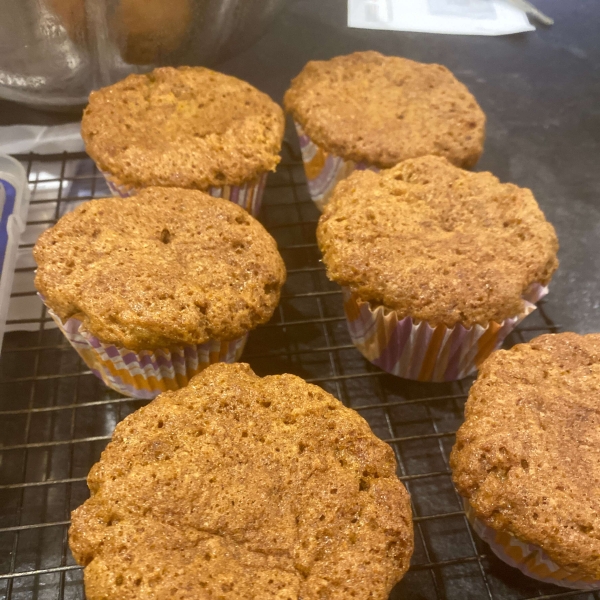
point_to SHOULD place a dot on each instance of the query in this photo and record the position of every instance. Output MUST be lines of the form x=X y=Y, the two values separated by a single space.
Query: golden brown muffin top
x=437 y=243
x=241 y=487
x=385 y=109
x=167 y=267
x=527 y=457
x=188 y=127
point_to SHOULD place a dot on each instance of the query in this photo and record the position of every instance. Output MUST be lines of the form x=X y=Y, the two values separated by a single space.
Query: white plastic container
x=14 y=202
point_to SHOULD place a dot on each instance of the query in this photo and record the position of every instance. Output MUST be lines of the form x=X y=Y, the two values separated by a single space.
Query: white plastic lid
x=14 y=202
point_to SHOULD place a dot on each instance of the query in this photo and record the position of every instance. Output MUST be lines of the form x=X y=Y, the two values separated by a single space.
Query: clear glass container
x=54 y=52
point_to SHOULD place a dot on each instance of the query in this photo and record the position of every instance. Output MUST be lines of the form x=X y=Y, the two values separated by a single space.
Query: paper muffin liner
x=416 y=350
x=248 y=196
x=529 y=559
x=147 y=373
x=323 y=169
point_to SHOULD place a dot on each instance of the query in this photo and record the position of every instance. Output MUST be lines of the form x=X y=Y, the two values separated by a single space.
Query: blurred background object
x=54 y=52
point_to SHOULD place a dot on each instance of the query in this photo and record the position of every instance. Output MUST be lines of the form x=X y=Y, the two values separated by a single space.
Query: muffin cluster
x=234 y=486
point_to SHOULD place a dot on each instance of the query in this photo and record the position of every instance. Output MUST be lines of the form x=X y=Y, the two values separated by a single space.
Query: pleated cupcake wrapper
x=529 y=559
x=146 y=374
x=416 y=350
x=323 y=169
x=248 y=196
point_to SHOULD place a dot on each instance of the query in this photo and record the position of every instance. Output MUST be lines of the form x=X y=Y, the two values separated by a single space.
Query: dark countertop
x=539 y=90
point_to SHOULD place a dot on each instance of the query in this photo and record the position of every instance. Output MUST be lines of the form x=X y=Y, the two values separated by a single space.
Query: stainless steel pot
x=54 y=52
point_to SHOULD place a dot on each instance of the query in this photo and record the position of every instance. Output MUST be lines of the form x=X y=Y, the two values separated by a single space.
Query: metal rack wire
x=56 y=417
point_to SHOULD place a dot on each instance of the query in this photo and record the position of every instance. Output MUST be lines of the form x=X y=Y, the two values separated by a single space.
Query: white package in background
x=458 y=17
x=20 y=139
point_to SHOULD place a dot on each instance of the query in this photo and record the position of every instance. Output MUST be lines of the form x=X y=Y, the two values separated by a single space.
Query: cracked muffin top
x=165 y=268
x=527 y=457
x=241 y=487
x=437 y=243
x=188 y=127
x=384 y=109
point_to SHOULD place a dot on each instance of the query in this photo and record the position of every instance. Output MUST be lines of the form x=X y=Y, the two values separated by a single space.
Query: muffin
x=437 y=264
x=527 y=458
x=369 y=111
x=189 y=128
x=241 y=487
x=152 y=289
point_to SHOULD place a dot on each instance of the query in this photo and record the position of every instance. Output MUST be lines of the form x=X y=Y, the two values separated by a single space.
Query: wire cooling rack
x=56 y=417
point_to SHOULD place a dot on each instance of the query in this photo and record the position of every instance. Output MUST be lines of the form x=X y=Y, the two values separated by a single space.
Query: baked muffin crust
x=385 y=109
x=527 y=457
x=188 y=127
x=241 y=487
x=437 y=243
x=164 y=268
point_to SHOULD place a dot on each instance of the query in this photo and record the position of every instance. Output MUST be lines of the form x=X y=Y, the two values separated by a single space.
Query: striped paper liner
x=529 y=559
x=248 y=196
x=147 y=373
x=415 y=350
x=323 y=169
